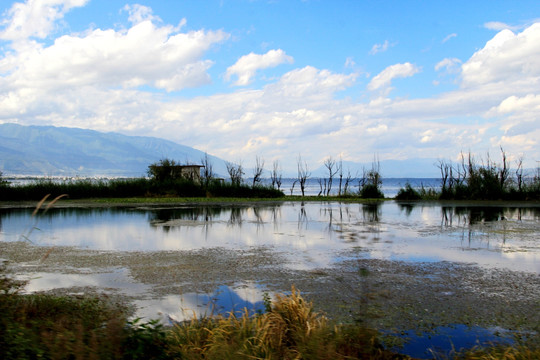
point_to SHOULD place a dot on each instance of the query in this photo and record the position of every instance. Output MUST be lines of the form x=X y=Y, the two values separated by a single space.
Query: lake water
x=310 y=235
x=313 y=234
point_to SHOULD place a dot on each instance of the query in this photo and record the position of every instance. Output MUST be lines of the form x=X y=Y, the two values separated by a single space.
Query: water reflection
x=312 y=235
x=445 y=341
x=224 y=300
x=371 y=212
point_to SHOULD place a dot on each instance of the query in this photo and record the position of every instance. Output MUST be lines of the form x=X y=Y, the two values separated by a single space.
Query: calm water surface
x=314 y=235
x=311 y=235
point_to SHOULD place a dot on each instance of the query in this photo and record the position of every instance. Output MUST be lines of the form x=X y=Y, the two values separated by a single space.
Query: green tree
x=163 y=170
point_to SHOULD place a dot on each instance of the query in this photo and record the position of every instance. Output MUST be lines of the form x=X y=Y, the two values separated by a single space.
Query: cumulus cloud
x=246 y=67
x=512 y=58
x=92 y=80
x=35 y=18
x=385 y=77
x=144 y=54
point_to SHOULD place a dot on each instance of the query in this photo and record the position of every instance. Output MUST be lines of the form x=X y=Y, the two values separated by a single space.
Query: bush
x=408 y=193
x=371 y=191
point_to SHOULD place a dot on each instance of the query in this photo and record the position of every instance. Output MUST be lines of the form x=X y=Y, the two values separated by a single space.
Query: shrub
x=371 y=191
x=408 y=193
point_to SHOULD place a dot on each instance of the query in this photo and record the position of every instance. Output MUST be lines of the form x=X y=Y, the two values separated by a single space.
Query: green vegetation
x=489 y=180
x=166 y=180
x=93 y=327
x=370 y=183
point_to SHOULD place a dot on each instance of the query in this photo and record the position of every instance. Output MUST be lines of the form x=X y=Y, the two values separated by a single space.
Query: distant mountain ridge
x=62 y=151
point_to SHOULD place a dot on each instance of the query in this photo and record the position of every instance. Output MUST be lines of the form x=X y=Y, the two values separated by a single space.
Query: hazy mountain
x=51 y=151
x=48 y=150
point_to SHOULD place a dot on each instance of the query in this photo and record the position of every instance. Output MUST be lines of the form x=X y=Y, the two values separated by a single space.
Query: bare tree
x=330 y=165
x=444 y=167
x=349 y=178
x=323 y=190
x=276 y=175
x=504 y=171
x=519 y=173
x=293 y=185
x=303 y=174
x=258 y=170
x=340 y=167
x=236 y=172
x=208 y=169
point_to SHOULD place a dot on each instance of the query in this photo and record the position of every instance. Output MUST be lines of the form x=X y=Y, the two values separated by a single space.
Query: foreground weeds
x=290 y=329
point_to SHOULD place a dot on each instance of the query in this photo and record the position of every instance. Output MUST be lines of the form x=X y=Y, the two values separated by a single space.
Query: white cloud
x=385 y=77
x=450 y=64
x=498 y=26
x=35 y=18
x=139 y=13
x=377 y=48
x=91 y=81
x=144 y=54
x=448 y=37
x=509 y=58
x=246 y=67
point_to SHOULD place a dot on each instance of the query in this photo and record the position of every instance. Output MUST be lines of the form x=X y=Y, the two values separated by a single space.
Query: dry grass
x=289 y=330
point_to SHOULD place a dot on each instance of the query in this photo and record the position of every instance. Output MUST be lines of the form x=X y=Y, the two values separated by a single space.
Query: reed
x=129 y=188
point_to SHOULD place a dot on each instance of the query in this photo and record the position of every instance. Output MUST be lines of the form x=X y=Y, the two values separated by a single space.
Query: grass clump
x=41 y=326
x=290 y=329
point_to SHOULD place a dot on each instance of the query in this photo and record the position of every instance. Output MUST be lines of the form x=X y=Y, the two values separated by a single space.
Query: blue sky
x=279 y=79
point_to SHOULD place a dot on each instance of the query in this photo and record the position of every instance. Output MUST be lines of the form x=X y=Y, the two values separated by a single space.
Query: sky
x=282 y=79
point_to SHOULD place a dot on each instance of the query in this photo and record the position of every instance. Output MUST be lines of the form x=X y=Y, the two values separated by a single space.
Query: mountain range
x=61 y=151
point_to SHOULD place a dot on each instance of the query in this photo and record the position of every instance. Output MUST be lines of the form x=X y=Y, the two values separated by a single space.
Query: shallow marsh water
x=395 y=266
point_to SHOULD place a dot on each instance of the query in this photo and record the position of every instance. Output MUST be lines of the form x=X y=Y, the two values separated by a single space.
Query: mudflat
x=387 y=295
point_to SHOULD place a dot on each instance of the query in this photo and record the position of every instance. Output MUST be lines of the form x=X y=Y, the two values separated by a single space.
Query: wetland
x=407 y=268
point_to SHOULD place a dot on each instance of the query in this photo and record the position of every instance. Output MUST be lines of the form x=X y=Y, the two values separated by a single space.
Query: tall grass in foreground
x=290 y=329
